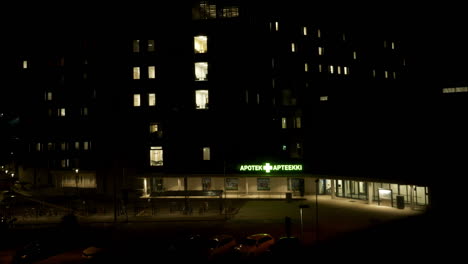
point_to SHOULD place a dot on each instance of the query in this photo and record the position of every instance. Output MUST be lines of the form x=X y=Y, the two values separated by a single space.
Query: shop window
x=263 y=184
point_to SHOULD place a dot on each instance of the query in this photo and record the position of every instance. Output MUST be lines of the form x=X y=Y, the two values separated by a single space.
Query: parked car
x=255 y=245
x=34 y=251
x=92 y=252
x=189 y=247
x=286 y=247
x=220 y=245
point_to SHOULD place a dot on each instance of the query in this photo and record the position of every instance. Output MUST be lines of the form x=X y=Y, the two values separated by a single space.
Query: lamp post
x=316 y=211
x=77 y=176
x=302 y=222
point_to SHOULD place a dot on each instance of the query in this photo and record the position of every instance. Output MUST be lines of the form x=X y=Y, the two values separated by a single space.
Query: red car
x=256 y=245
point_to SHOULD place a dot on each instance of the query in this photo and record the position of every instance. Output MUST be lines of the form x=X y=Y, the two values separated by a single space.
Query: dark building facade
x=237 y=97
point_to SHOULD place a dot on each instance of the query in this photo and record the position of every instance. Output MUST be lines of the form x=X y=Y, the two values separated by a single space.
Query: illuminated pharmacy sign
x=271 y=167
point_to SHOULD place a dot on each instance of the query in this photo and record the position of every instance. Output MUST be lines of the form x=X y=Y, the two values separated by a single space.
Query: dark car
x=31 y=252
x=189 y=247
x=37 y=250
x=289 y=247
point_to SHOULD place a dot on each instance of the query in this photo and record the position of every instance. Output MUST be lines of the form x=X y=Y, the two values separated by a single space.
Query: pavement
x=326 y=224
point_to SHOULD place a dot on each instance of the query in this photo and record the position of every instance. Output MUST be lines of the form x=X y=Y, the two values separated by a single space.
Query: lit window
x=276 y=26
x=323 y=98
x=200 y=44
x=79 y=180
x=50 y=146
x=319 y=34
x=136 y=73
x=152 y=99
x=230 y=11
x=343 y=37
x=272 y=62
x=320 y=67
x=297 y=122
x=48 y=96
x=354 y=55
x=207 y=10
x=284 y=147
x=201 y=71
x=136 y=46
x=38 y=146
x=156 y=156
x=345 y=70
x=306 y=67
x=151 y=72
x=404 y=62
x=86 y=145
x=25 y=64
x=84 y=111
x=154 y=127
x=151 y=45
x=77 y=145
x=393 y=45
x=304 y=31
x=61 y=112
x=394 y=75
x=386 y=74
x=65 y=163
x=338 y=69
x=63 y=146
x=320 y=51
x=201 y=99
x=331 y=69
x=284 y=123
x=136 y=100
x=206 y=153
x=374 y=73
x=293 y=47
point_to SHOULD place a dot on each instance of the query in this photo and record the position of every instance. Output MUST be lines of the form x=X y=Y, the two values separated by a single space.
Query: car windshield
x=250 y=242
x=212 y=243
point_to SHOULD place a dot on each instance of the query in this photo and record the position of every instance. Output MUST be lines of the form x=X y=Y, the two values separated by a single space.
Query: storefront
x=374 y=191
x=266 y=180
